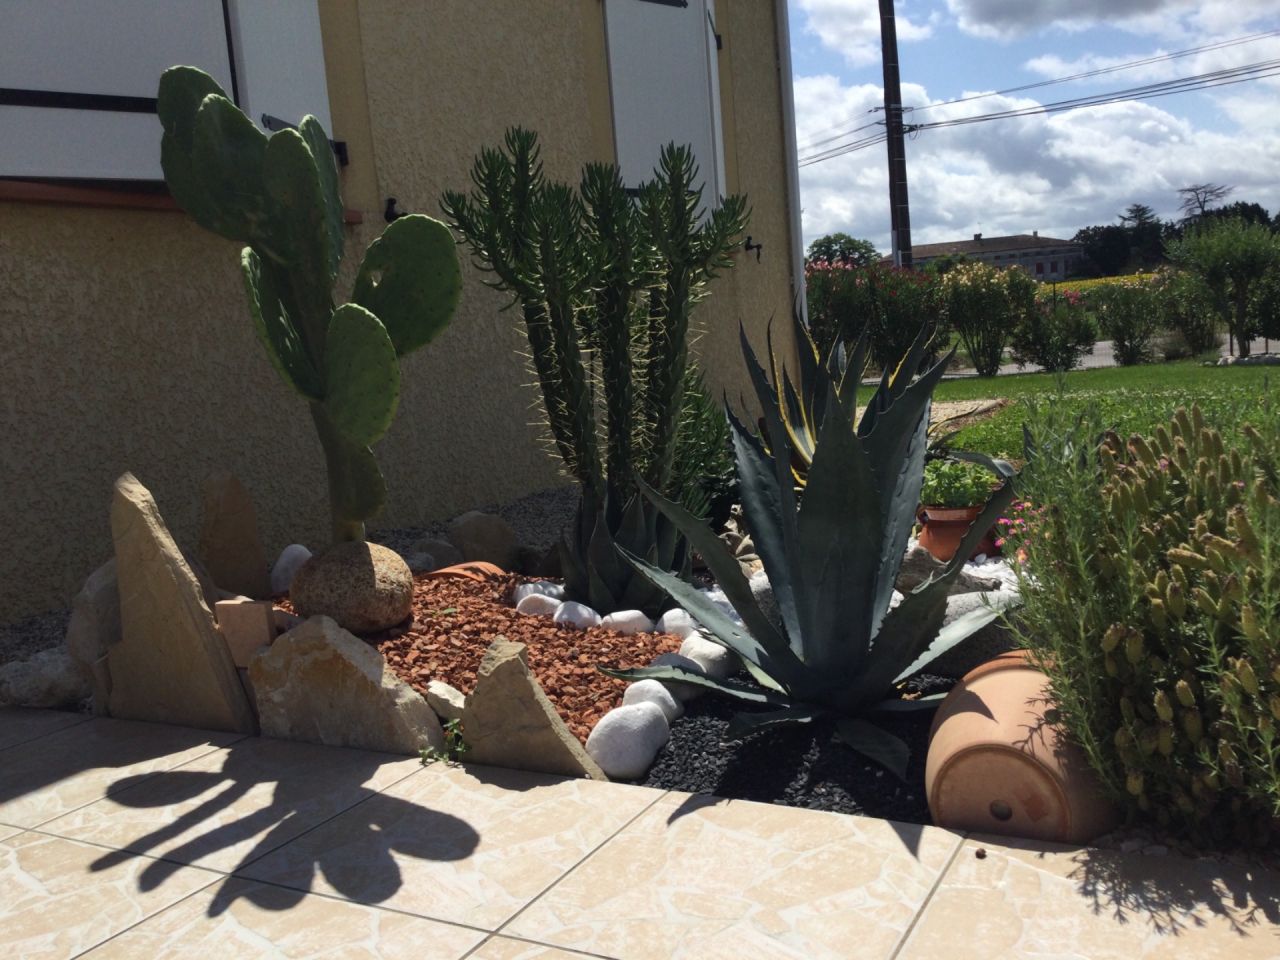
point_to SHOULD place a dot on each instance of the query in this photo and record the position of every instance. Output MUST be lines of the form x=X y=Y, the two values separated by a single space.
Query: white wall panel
x=664 y=84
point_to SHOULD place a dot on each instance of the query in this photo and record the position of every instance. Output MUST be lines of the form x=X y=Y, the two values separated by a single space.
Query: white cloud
x=1173 y=19
x=852 y=27
x=1052 y=173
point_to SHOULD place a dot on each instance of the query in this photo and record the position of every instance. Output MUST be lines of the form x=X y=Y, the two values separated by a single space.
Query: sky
x=1051 y=172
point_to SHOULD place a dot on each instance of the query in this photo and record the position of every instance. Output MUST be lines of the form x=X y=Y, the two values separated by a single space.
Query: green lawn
x=1183 y=374
x=1130 y=399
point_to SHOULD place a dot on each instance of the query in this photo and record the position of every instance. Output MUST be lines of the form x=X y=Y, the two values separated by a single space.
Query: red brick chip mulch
x=455 y=620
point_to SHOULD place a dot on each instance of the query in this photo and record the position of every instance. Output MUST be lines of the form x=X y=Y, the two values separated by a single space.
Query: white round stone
x=627 y=738
x=651 y=691
x=682 y=691
x=678 y=622
x=289 y=563
x=577 y=615
x=538 y=605
x=716 y=661
x=628 y=622
x=539 y=587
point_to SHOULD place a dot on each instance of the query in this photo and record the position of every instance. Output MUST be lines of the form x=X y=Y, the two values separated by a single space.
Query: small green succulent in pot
x=832 y=557
x=956 y=483
x=279 y=195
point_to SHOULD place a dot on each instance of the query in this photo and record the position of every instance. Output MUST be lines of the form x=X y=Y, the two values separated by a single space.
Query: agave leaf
x=799 y=417
x=877 y=744
x=1001 y=468
x=847 y=373
x=911 y=627
x=777 y=661
x=728 y=687
x=900 y=498
x=840 y=528
x=762 y=510
x=959 y=630
x=722 y=564
x=743 y=725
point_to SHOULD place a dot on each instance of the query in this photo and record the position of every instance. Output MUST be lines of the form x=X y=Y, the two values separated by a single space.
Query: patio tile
x=700 y=878
x=505 y=948
x=244 y=919
x=19 y=724
x=470 y=846
x=55 y=903
x=1045 y=901
x=48 y=777
x=231 y=806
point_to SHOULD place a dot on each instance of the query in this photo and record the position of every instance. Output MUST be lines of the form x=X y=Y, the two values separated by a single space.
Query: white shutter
x=665 y=85
x=103 y=48
x=78 y=78
x=280 y=60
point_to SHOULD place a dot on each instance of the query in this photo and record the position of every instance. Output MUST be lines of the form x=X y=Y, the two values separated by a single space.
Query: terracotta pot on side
x=995 y=765
x=471 y=570
x=942 y=529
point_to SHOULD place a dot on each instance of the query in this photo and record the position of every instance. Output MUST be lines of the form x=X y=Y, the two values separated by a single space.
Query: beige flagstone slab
x=1044 y=902
x=467 y=845
x=55 y=903
x=57 y=773
x=242 y=919
x=234 y=805
x=20 y=724
x=505 y=948
x=703 y=879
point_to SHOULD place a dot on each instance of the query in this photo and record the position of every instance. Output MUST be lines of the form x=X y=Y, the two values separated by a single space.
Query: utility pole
x=899 y=211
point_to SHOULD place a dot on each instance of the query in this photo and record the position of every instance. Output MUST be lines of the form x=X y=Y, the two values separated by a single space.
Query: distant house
x=1044 y=258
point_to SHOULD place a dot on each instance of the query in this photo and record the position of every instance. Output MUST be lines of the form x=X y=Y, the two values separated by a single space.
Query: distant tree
x=843 y=248
x=1231 y=256
x=1138 y=215
x=1197 y=198
x=1106 y=247
x=1240 y=210
x=1144 y=229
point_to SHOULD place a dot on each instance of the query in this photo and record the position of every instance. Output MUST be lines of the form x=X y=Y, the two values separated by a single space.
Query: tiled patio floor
x=122 y=839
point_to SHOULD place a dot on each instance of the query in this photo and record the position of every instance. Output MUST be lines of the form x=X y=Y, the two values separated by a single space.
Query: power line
x=1114 y=68
x=1216 y=78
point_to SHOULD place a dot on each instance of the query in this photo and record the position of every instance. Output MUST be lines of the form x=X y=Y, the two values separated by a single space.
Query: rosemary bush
x=1151 y=588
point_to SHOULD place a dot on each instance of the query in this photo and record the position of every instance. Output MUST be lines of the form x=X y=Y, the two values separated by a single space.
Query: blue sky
x=1049 y=172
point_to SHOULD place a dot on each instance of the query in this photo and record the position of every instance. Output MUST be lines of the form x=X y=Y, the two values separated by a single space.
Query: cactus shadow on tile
x=234 y=821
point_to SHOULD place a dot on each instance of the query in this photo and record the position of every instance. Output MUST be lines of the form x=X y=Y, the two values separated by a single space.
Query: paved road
x=1103 y=356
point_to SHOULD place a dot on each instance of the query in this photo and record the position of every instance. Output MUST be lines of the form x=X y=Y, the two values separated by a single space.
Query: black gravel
x=797 y=765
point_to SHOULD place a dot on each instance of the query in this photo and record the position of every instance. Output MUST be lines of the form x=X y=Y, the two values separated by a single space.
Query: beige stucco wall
x=126 y=344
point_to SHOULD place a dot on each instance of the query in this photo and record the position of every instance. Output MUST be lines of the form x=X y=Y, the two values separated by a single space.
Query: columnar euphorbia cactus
x=279 y=195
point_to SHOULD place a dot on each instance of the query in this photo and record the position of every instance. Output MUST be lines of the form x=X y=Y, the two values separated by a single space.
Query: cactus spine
x=279 y=196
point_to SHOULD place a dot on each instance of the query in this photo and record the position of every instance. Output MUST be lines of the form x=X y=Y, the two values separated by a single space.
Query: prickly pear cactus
x=1166 y=658
x=279 y=195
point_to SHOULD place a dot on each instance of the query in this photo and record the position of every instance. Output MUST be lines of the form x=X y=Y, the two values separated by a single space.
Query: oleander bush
x=1128 y=316
x=1055 y=335
x=984 y=305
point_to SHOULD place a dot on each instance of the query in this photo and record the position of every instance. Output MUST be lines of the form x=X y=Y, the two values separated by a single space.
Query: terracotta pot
x=942 y=529
x=471 y=570
x=995 y=765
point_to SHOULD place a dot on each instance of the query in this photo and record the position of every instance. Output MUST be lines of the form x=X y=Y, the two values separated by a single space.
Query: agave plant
x=832 y=556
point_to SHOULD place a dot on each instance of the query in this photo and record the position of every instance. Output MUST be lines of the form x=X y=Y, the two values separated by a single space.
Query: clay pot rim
x=952 y=514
